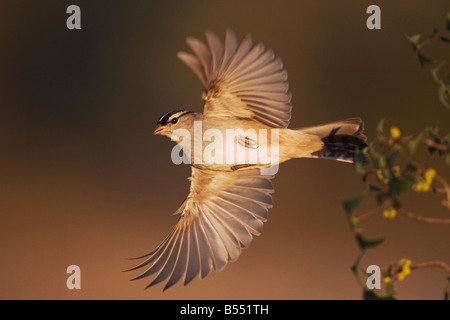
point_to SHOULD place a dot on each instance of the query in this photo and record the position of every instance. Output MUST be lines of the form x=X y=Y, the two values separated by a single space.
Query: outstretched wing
x=218 y=218
x=240 y=80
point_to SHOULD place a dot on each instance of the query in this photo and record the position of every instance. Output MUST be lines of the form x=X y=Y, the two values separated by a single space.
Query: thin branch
x=445 y=189
x=366 y=215
x=445 y=185
x=420 y=218
x=428 y=142
x=355 y=265
x=439 y=146
x=438 y=264
x=425 y=42
x=396 y=268
x=407 y=138
x=439 y=190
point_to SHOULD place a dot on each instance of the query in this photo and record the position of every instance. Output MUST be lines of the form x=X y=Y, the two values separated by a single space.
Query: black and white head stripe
x=168 y=117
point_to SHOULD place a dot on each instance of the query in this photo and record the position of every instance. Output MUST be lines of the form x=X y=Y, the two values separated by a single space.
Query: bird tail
x=336 y=141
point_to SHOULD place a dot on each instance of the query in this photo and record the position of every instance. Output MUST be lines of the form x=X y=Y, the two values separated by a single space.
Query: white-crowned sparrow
x=245 y=88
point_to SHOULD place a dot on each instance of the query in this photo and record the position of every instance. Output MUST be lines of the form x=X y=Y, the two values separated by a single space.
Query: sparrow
x=245 y=88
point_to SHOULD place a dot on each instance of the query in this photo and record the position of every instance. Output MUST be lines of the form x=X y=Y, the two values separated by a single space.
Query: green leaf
x=412 y=145
x=390 y=290
x=352 y=203
x=382 y=197
x=414 y=40
x=401 y=185
x=444 y=39
x=349 y=206
x=371 y=295
x=366 y=243
x=432 y=133
x=365 y=175
x=446 y=289
x=386 y=270
x=435 y=72
x=411 y=167
x=423 y=59
x=380 y=130
x=360 y=160
x=373 y=187
x=390 y=158
x=444 y=95
x=434 y=33
x=380 y=162
x=378 y=159
x=446 y=139
x=361 y=156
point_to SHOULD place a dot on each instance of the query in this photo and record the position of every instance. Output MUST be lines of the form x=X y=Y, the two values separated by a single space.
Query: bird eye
x=175 y=120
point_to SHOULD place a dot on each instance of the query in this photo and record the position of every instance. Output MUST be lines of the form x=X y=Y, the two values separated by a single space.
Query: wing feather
x=202 y=52
x=241 y=52
x=231 y=45
x=166 y=270
x=229 y=240
x=219 y=218
x=216 y=47
x=180 y=263
x=194 y=64
x=233 y=72
x=216 y=246
x=193 y=263
x=158 y=261
x=206 y=256
x=249 y=220
x=234 y=225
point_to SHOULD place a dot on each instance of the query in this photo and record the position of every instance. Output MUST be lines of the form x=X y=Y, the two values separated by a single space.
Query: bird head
x=171 y=121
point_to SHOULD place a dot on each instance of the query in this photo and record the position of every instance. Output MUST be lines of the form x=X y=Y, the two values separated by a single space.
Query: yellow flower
x=396 y=171
x=419 y=186
x=429 y=175
x=405 y=264
x=395 y=132
x=387 y=280
x=424 y=184
x=381 y=177
x=390 y=213
x=365 y=151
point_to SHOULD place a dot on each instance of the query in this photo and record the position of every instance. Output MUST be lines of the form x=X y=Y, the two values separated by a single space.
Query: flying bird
x=245 y=87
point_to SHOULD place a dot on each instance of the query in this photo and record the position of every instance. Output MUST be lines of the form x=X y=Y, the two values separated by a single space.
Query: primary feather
x=221 y=213
x=240 y=80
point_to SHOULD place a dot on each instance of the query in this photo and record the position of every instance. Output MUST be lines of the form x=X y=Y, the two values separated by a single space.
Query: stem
x=355 y=266
x=427 y=41
x=428 y=142
x=439 y=146
x=373 y=211
x=445 y=189
x=438 y=264
x=420 y=218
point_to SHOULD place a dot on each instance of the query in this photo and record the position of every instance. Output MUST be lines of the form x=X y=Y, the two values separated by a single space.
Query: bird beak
x=158 y=130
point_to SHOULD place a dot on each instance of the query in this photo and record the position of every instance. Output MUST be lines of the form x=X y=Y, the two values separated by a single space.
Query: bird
x=244 y=87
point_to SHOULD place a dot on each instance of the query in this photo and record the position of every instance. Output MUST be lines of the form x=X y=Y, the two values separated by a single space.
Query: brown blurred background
x=84 y=181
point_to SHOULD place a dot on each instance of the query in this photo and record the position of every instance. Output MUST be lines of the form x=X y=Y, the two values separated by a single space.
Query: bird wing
x=218 y=218
x=240 y=80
